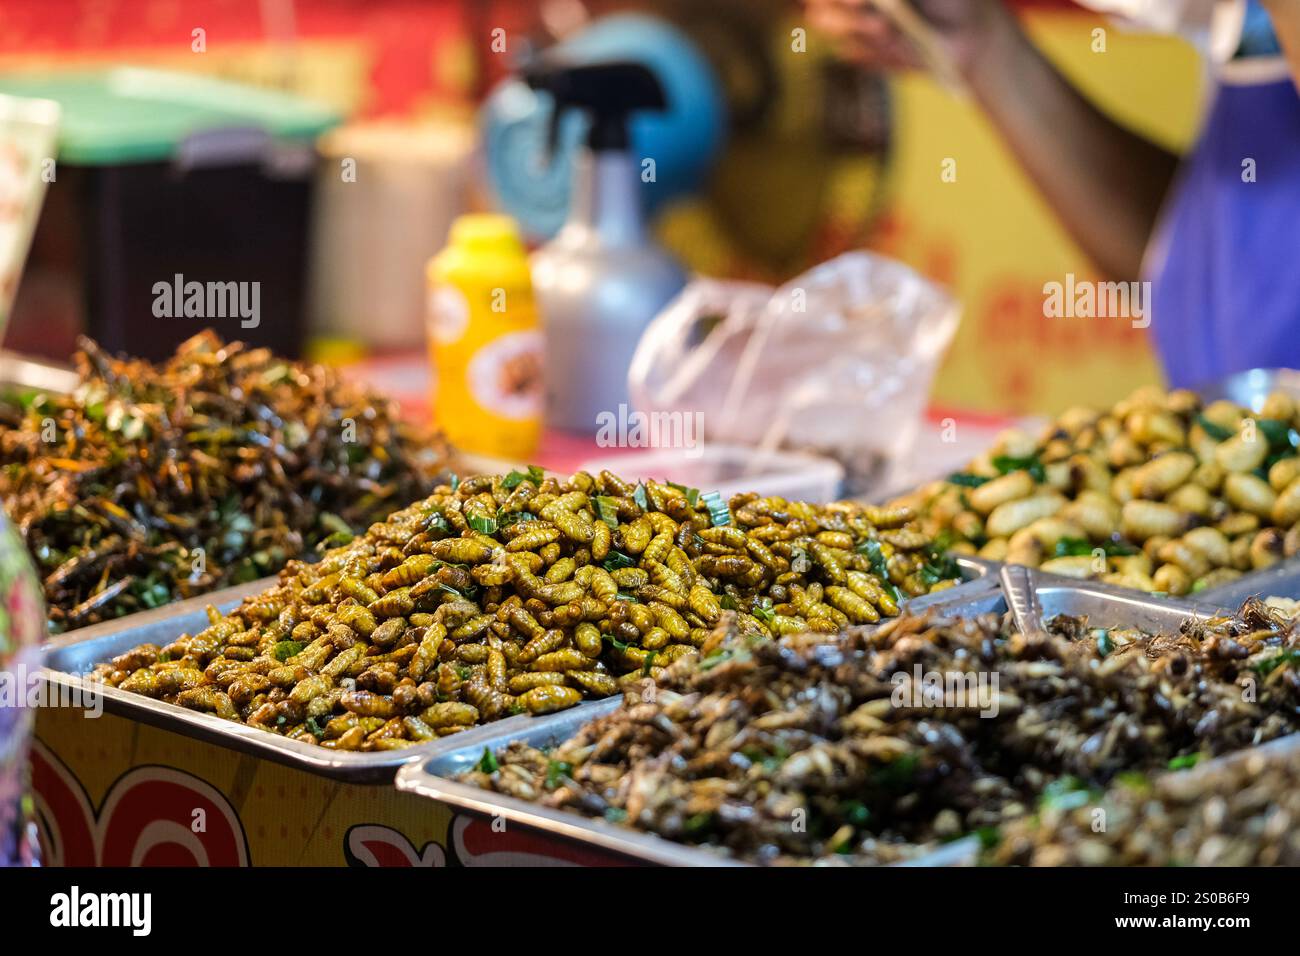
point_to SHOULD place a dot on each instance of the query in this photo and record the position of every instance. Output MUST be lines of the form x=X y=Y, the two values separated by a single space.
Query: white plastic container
x=730 y=469
x=387 y=192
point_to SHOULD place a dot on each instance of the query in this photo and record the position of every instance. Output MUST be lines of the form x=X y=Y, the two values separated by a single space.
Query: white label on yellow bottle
x=449 y=313
x=505 y=376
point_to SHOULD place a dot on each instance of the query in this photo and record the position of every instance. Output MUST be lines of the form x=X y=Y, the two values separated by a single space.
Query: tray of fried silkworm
x=1164 y=492
x=918 y=740
x=70 y=658
x=497 y=598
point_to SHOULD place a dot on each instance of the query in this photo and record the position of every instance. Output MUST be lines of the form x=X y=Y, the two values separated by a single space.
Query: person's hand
x=863 y=34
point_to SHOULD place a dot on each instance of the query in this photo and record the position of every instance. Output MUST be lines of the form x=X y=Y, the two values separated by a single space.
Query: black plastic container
x=161 y=176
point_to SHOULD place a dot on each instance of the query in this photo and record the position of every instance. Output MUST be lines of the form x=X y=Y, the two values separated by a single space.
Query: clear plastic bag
x=839 y=360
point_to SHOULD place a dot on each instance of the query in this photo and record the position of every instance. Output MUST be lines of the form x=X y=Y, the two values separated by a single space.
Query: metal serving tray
x=161 y=625
x=1104 y=605
x=69 y=657
x=1281 y=580
x=978 y=576
x=430 y=777
x=1251 y=387
x=19 y=371
x=1279 y=748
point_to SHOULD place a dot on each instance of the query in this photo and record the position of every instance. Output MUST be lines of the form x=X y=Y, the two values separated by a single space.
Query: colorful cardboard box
x=110 y=791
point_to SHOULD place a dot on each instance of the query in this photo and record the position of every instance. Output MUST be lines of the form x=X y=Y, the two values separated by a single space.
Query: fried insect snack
x=826 y=748
x=526 y=594
x=1284 y=606
x=151 y=483
x=1240 y=814
x=1160 y=493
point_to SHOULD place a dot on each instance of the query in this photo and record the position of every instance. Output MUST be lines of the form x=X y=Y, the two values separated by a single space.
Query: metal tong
x=1020 y=587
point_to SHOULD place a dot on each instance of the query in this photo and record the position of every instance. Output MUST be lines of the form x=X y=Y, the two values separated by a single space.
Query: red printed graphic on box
x=476 y=842
x=151 y=816
x=369 y=844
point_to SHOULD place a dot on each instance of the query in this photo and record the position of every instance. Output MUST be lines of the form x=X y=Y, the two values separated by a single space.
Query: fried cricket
x=878 y=744
x=152 y=483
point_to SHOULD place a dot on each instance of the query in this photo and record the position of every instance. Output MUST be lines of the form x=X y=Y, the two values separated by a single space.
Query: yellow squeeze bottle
x=485 y=340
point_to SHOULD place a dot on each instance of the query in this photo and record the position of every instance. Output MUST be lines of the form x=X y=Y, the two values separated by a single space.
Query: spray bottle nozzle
x=607 y=91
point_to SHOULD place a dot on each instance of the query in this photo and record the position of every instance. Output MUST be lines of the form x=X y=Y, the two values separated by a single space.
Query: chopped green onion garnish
x=482 y=523
x=616 y=560
x=719 y=513
x=606 y=510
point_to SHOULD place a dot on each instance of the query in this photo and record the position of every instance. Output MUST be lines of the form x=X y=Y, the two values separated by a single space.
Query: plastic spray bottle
x=601 y=280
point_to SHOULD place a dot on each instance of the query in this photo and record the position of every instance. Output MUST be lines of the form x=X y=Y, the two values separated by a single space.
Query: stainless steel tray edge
x=979 y=578
x=974 y=568
x=1147 y=610
x=359 y=767
x=642 y=847
x=142 y=621
x=351 y=766
x=1066 y=595
x=1249 y=388
x=1279 y=748
x=1281 y=580
x=418 y=777
x=25 y=371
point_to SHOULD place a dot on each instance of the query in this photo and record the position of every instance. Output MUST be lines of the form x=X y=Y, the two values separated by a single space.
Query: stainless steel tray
x=23 y=372
x=158 y=626
x=430 y=778
x=1279 y=748
x=1107 y=605
x=1104 y=605
x=69 y=657
x=1281 y=580
x=1251 y=387
x=978 y=577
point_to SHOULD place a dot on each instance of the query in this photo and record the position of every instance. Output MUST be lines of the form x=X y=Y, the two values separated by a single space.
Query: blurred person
x=1215 y=232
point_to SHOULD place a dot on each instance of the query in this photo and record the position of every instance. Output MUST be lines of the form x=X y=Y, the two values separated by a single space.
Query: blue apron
x=1225 y=269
